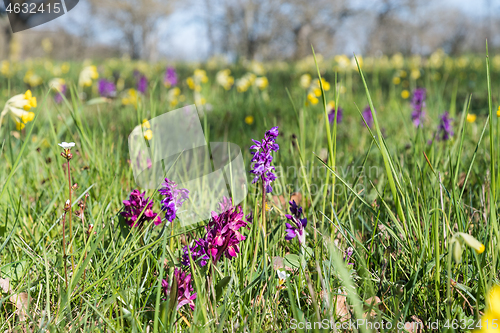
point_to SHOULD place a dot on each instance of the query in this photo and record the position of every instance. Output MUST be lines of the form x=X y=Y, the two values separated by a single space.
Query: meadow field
x=371 y=202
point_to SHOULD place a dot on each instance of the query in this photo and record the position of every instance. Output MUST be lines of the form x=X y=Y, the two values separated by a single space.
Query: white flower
x=66 y=145
x=282 y=275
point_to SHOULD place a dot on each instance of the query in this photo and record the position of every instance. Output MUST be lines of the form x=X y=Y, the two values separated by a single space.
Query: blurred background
x=197 y=30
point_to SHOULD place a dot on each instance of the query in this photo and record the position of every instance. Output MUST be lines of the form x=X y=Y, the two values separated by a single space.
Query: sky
x=183 y=34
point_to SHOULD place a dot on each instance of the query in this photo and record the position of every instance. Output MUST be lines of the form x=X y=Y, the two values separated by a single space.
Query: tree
x=136 y=20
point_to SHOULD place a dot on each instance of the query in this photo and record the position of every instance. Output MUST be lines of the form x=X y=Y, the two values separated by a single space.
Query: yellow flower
x=148 y=135
x=5 y=68
x=32 y=79
x=200 y=75
x=305 y=81
x=18 y=107
x=396 y=80
x=312 y=98
x=330 y=105
x=249 y=120
x=190 y=83
x=57 y=84
x=261 y=82
x=317 y=91
x=88 y=74
x=498 y=112
x=405 y=94
x=173 y=96
x=65 y=68
x=415 y=74
x=471 y=117
x=131 y=97
x=225 y=79
x=490 y=321
x=145 y=124
x=472 y=242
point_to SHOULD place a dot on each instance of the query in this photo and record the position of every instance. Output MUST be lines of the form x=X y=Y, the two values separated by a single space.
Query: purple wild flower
x=223 y=234
x=367 y=116
x=58 y=97
x=348 y=254
x=445 y=132
x=340 y=115
x=142 y=84
x=170 y=79
x=262 y=168
x=198 y=253
x=184 y=289
x=297 y=225
x=173 y=198
x=137 y=205
x=418 y=105
x=106 y=88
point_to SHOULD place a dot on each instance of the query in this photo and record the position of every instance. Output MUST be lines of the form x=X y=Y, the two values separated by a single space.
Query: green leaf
x=219 y=288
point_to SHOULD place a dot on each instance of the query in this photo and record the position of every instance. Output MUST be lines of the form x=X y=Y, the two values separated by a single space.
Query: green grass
x=387 y=192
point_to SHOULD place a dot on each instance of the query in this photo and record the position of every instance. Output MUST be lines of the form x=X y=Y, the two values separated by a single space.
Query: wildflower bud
x=75 y=186
x=87 y=195
x=67 y=206
x=456 y=249
x=69 y=156
x=472 y=242
x=91 y=226
x=63 y=154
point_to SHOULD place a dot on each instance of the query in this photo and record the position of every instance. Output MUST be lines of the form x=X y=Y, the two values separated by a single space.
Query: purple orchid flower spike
x=418 y=105
x=198 y=253
x=262 y=168
x=58 y=97
x=142 y=84
x=367 y=116
x=445 y=131
x=223 y=235
x=297 y=226
x=184 y=289
x=170 y=79
x=106 y=88
x=135 y=206
x=340 y=115
x=173 y=198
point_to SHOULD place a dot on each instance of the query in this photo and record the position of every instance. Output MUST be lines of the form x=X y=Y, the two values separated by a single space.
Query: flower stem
x=70 y=229
x=264 y=213
x=64 y=250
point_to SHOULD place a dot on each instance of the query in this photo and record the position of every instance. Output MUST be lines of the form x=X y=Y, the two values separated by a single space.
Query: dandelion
x=223 y=236
x=87 y=74
x=471 y=117
x=297 y=226
x=184 y=289
x=418 y=105
x=106 y=88
x=249 y=120
x=367 y=116
x=18 y=107
x=139 y=210
x=445 y=132
x=262 y=168
x=170 y=79
x=173 y=198
x=405 y=94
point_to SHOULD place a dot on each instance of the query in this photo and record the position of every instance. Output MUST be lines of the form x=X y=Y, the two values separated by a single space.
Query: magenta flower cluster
x=184 y=290
x=297 y=225
x=262 y=168
x=367 y=116
x=173 y=198
x=139 y=210
x=170 y=77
